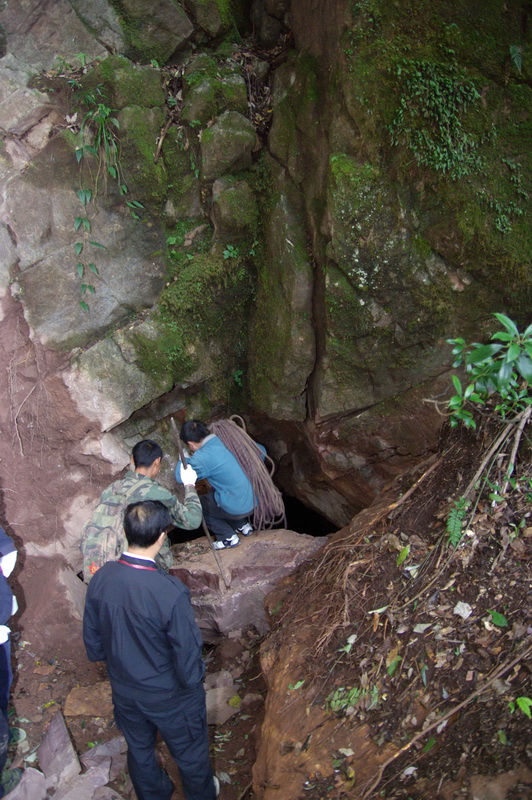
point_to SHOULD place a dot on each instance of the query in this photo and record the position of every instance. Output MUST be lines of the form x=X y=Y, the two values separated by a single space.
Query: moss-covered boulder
x=214 y=17
x=227 y=145
x=153 y=30
x=139 y=129
x=212 y=87
x=183 y=186
x=234 y=209
x=118 y=82
x=107 y=383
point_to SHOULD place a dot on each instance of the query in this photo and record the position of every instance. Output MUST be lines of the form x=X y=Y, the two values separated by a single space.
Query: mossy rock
x=210 y=89
x=183 y=200
x=295 y=121
x=283 y=339
x=234 y=210
x=227 y=145
x=214 y=17
x=139 y=128
x=124 y=84
x=153 y=30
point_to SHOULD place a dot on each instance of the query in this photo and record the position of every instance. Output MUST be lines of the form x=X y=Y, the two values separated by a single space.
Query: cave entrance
x=299 y=518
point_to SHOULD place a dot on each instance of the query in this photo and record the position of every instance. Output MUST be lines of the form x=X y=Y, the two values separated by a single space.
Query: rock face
x=252 y=569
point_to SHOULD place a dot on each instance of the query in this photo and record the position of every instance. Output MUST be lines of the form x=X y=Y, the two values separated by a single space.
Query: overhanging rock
x=252 y=570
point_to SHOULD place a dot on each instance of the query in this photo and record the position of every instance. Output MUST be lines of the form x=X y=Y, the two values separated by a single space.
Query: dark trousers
x=183 y=727
x=220 y=523
x=5 y=685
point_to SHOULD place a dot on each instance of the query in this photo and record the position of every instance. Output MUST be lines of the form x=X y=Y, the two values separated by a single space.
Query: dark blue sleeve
x=185 y=640
x=91 y=628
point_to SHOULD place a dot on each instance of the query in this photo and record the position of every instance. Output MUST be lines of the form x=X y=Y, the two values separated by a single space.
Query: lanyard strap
x=136 y=566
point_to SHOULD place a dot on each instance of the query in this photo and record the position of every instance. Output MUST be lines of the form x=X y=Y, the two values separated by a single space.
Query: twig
x=246 y=790
x=16 y=417
x=160 y=141
x=493 y=449
x=517 y=440
x=499 y=672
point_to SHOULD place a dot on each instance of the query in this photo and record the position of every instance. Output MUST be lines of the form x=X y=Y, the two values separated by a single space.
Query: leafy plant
x=501 y=369
x=455 y=521
x=231 y=251
x=293 y=687
x=524 y=704
x=345 y=697
x=516 y=54
x=433 y=98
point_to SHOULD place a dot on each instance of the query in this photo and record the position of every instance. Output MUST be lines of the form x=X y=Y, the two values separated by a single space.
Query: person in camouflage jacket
x=103 y=536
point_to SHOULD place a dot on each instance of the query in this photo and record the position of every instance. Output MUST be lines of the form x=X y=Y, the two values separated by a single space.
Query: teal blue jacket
x=232 y=488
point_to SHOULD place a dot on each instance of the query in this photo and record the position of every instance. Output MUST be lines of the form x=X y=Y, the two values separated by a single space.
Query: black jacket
x=139 y=620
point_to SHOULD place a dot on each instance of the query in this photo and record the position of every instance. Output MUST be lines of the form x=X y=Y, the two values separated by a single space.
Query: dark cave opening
x=299 y=518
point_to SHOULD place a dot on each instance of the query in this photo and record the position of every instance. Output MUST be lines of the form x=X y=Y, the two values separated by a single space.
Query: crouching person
x=139 y=620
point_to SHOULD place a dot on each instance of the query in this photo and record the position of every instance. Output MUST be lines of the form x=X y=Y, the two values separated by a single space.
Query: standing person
x=139 y=620
x=103 y=536
x=228 y=505
x=8 y=606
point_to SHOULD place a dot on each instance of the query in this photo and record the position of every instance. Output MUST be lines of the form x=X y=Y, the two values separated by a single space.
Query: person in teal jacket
x=227 y=506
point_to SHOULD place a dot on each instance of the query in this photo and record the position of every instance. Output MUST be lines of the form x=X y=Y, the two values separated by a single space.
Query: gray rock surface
x=253 y=568
x=107 y=384
x=57 y=757
x=227 y=145
x=37 y=32
x=283 y=351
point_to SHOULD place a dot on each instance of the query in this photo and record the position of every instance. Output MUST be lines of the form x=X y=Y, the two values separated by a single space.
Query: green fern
x=455 y=521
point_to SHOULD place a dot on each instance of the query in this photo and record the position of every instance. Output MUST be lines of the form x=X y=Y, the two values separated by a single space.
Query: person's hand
x=188 y=475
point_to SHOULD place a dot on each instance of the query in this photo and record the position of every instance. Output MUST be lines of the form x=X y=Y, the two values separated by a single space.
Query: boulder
x=147 y=31
x=101 y=19
x=211 y=87
x=252 y=569
x=267 y=28
x=234 y=209
x=125 y=84
x=227 y=145
x=211 y=16
x=38 y=31
x=107 y=384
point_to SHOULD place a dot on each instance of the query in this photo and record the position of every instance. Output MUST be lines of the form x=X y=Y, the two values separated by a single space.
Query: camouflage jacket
x=103 y=538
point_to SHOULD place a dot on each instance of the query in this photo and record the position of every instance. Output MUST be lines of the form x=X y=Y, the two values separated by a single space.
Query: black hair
x=193 y=431
x=146 y=452
x=145 y=521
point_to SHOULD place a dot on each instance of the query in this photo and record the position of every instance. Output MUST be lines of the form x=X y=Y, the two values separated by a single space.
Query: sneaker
x=245 y=530
x=216 y=785
x=222 y=544
x=10 y=779
x=17 y=735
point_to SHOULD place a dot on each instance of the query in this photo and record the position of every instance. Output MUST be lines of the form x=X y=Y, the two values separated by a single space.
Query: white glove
x=4 y=634
x=7 y=563
x=188 y=475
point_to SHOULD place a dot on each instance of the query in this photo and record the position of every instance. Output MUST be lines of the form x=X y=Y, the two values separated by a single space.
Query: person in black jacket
x=8 y=606
x=139 y=620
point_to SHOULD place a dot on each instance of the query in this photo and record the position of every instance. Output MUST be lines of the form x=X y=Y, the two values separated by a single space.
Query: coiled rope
x=269 y=507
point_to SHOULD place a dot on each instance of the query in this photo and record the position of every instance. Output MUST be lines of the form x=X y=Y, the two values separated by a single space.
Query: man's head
x=193 y=433
x=144 y=523
x=147 y=456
